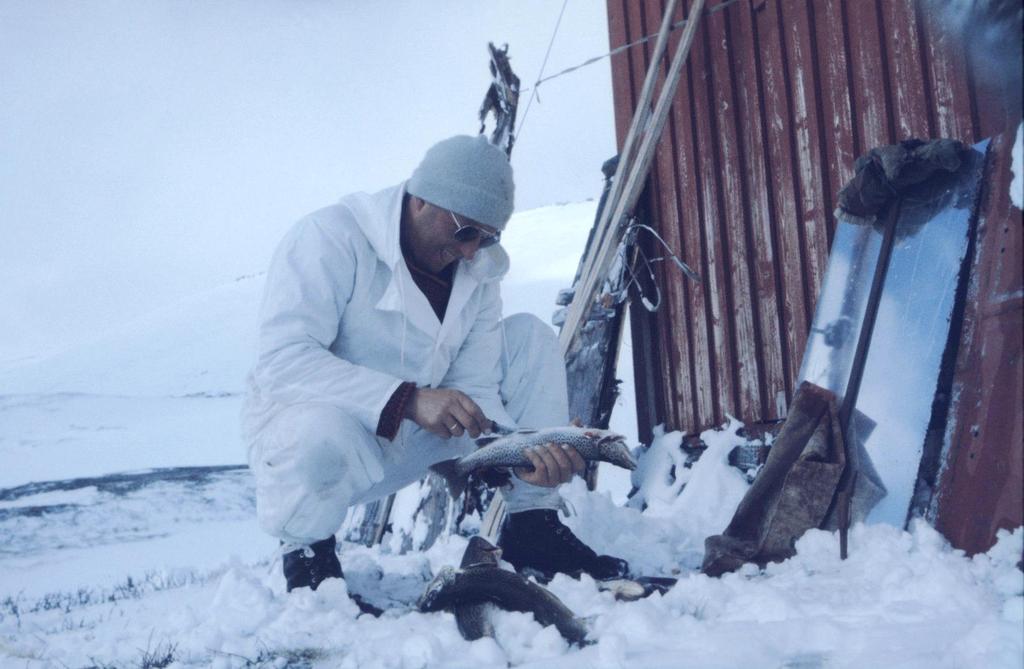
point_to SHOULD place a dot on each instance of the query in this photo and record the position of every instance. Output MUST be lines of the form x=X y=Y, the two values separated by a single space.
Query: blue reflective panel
x=911 y=331
x=839 y=313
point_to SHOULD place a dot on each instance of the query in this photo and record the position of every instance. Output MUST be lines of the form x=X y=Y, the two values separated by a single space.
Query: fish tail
x=455 y=479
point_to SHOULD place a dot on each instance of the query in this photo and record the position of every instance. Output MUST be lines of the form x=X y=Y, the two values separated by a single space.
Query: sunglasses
x=469 y=233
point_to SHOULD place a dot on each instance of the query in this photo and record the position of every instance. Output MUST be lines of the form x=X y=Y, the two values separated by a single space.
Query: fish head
x=614 y=450
x=433 y=598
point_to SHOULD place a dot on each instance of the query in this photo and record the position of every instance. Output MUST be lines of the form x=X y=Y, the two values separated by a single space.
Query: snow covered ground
x=128 y=539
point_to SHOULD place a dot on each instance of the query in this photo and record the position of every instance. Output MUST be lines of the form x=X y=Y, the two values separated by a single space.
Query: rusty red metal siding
x=777 y=100
x=982 y=487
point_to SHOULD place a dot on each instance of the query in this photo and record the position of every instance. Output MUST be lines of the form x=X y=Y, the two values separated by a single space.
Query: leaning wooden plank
x=641 y=117
x=591 y=362
x=493 y=518
x=640 y=126
x=586 y=291
x=634 y=174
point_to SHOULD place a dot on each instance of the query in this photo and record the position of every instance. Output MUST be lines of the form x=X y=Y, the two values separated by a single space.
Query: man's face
x=432 y=235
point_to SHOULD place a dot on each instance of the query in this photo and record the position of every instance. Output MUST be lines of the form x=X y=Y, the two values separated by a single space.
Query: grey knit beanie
x=467 y=175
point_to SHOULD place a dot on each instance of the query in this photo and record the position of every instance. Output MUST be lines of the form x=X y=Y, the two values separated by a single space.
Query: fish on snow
x=472 y=589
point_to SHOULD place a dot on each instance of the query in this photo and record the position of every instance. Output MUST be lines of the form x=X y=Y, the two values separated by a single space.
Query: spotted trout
x=472 y=589
x=507 y=448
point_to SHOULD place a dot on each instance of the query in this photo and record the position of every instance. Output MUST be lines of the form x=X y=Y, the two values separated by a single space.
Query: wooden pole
x=634 y=178
x=638 y=122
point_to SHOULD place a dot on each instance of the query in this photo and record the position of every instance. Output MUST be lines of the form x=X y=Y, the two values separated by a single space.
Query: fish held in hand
x=508 y=448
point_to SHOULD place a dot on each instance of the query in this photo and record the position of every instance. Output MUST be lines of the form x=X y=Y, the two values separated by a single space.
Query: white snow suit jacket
x=342 y=321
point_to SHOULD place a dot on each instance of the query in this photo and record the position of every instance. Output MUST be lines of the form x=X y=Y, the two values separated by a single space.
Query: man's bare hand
x=446 y=412
x=553 y=464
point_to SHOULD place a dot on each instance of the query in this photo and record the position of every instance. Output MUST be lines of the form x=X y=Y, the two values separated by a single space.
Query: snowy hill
x=205 y=344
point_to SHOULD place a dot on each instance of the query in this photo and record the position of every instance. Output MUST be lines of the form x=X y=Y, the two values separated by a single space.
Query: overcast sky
x=149 y=150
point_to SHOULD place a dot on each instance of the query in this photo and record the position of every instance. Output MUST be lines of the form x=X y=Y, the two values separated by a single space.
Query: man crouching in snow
x=382 y=351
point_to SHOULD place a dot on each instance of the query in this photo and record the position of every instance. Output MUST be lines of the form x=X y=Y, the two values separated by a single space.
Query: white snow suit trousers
x=313 y=461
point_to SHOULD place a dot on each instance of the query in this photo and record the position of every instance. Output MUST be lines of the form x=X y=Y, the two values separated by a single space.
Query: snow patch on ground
x=660 y=475
x=902 y=599
x=689 y=503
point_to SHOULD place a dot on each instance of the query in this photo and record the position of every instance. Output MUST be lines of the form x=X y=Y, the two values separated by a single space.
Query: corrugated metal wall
x=777 y=100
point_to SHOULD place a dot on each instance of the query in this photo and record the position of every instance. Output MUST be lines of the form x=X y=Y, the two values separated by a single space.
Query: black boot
x=309 y=571
x=302 y=570
x=538 y=541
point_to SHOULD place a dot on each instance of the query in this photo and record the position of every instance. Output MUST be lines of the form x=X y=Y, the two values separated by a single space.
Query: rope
x=533 y=92
x=679 y=24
